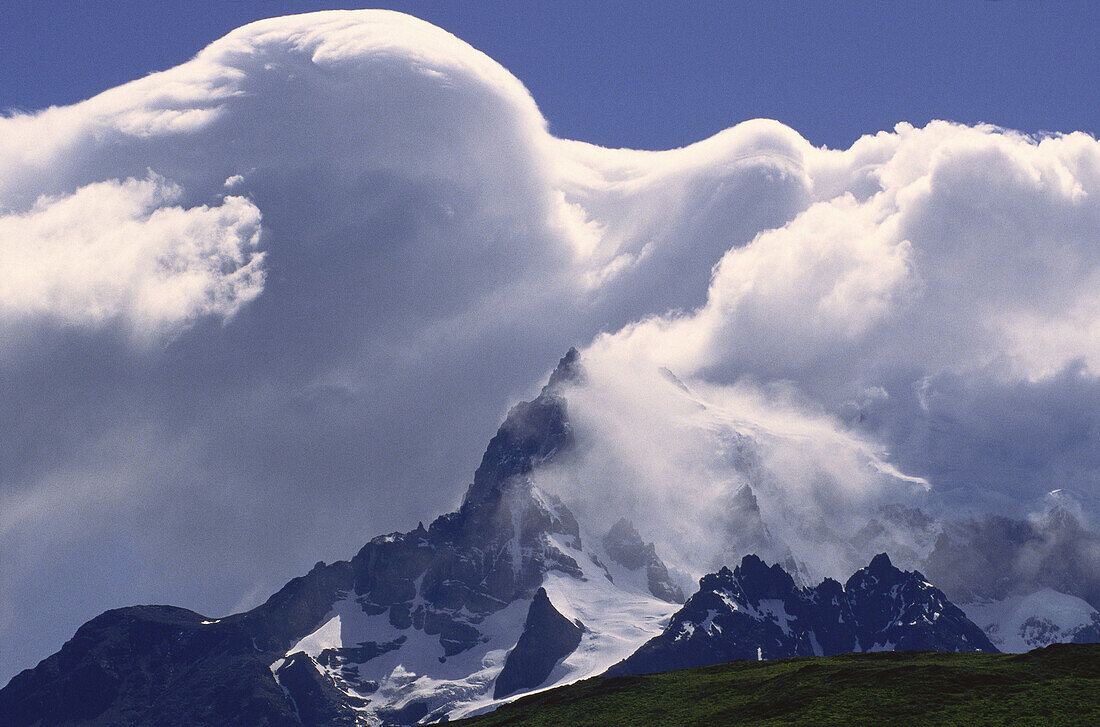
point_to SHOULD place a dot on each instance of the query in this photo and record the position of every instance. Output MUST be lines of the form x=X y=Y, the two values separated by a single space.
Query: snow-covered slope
x=1020 y=623
x=392 y=674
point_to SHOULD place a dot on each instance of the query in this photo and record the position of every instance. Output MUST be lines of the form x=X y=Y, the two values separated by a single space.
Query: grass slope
x=1059 y=685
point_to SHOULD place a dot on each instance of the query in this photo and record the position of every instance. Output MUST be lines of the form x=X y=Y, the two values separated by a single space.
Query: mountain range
x=507 y=595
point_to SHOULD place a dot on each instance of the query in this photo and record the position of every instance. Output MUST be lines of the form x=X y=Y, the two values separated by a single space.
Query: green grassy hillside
x=1059 y=685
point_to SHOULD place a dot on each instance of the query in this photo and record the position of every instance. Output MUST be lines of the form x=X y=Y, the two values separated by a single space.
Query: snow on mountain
x=508 y=595
x=1016 y=624
x=417 y=627
x=404 y=673
x=757 y=611
x=439 y=614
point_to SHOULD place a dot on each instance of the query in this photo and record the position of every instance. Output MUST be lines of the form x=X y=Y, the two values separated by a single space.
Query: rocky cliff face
x=625 y=547
x=161 y=665
x=757 y=611
x=547 y=638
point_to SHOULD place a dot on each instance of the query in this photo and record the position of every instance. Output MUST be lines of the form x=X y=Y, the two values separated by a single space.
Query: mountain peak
x=881 y=562
x=568 y=370
x=757 y=577
x=625 y=547
x=532 y=433
x=547 y=638
x=744 y=500
x=757 y=611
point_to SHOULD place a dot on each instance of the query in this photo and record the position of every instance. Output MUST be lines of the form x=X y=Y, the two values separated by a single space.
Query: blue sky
x=650 y=74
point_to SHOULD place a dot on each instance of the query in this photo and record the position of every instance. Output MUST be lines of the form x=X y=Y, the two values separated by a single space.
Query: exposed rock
x=1090 y=634
x=757 y=611
x=548 y=637
x=166 y=666
x=495 y=548
x=743 y=528
x=625 y=547
x=996 y=557
x=154 y=665
x=316 y=700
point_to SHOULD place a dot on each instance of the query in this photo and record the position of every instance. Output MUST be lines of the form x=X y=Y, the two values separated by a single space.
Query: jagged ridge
x=757 y=611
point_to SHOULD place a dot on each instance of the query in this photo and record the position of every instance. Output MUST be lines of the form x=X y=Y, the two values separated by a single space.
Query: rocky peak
x=547 y=638
x=532 y=433
x=757 y=611
x=568 y=371
x=625 y=547
x=720 y=581
x=744 y=501
x=881 y=562
x=901 y=610
x=743 y=527
x=496 y=548
x=759 y=580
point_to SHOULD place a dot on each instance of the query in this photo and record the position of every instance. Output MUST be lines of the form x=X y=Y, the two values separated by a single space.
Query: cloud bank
x=269 y=303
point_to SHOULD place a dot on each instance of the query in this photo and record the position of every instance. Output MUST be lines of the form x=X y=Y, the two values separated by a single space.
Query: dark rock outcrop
x=145 y=665
x=548 y=637
x=757 y=611
x=1089 y=634
x=742 y=525
x=995 y=556
x=316 y=701
x=495 y=548
x=625 y=546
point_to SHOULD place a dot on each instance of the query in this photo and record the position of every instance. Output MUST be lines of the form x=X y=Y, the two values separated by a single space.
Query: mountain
x=1020 y=623
x=758 y=612
x=1027 y=582
x=505 y=595
x=995 y=556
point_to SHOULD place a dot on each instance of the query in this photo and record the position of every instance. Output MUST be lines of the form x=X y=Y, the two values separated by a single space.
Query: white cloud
x=120 y=250
x=971 y=234
x=938 y=285
x=673 y=459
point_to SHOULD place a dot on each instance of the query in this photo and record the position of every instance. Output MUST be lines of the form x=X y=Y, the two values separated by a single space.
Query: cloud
x=934 y=303
x=996 y=557
x=340 y=244
x=969 y=236
x=676 y=459
x=119 y=250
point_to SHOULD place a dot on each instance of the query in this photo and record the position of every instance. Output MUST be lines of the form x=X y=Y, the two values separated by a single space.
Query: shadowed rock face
x=548 y=637
x=1090 y=634
x=626 y=548
x=494 y=549
x=161 y=665
x=757 y=611
x=316 y=701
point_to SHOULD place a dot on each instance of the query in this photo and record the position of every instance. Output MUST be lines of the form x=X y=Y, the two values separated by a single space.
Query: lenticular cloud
x=341 y=243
